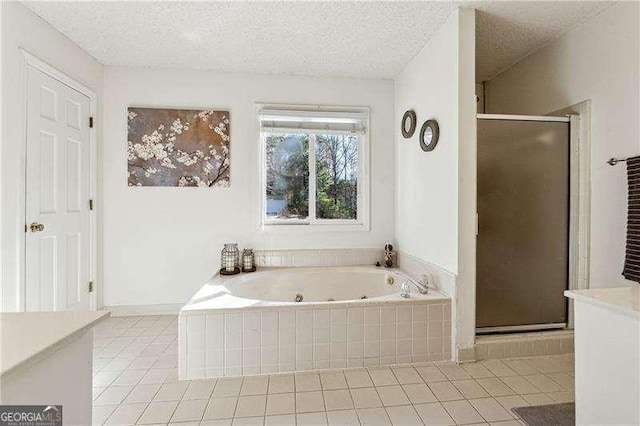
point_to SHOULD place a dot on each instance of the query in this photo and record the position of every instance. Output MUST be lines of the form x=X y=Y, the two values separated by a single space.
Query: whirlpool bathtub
x=293 y=319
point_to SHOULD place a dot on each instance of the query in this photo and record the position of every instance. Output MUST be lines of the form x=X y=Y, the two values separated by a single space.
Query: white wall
x=435 y=191
x=427 y=182
x=467 y=184
x=161 y=244
x=23 y=29
x=599 y=61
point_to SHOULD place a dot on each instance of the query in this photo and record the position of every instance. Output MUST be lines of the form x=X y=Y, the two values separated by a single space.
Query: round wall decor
x=429 y=135
x=408 y=123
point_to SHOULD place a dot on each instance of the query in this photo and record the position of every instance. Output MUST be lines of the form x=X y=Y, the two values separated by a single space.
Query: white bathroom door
x=58 y=175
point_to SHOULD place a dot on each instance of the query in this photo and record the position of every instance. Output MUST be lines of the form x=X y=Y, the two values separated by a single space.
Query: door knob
x=36 y=227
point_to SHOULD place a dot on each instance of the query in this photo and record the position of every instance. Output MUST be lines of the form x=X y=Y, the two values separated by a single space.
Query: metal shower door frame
x=572 y=122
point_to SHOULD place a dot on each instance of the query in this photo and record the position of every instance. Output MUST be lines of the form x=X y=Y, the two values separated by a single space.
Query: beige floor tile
x=307 y=382
x=358 y=378
x=105 y=378
x=307 y=402
x=312 y=419
x=158 y=412
x=126 y=414
x=507 y=423
x=190 y=410
x=217 y=422
x=477 y=370
x=248 y=421
x=495 y=387
x=172 y=377
x=166 y=361
x=419 y=393
x=227 y=387
x=200 y=389
x=365 y=398
x=382 y=376
x=113 y=395
x=462 y=412
x=373 y=417
x=251 y=406
x=135 y=361
x=338 y=399
x=407 y=375
x=129 y=378
x=564 y=379
x=220 y=408
x=537 y=399
x=171 y=391
x=156 y=375
x=555 y=363
x=445 y=391
x=281 y=403
x=519 y=384
x=511 y=401
x=562 y=396
x=96 y=391
x=404 y=415
x=434 y=414
x=143 y=362
x=101 y=413
x=142 y=393
x=256 y=385
x=342 y=417
x=331 y=380
x=431 y=373
x=454 y=372
x=498 y=368
x=392 y=395
x=281 y=420
x=281 y=383
x=470 y=389
x=543 y=383
x=490 y=409
x=118 y=364
x=520 y=366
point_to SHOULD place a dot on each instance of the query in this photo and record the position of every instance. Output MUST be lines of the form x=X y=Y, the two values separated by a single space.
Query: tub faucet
x=422 y=288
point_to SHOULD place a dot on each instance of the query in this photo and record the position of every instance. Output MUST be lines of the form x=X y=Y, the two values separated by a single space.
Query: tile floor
x=136 y=382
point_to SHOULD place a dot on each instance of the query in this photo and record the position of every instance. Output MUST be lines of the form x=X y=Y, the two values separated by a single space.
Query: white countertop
x=625 y=300
x=26 y=336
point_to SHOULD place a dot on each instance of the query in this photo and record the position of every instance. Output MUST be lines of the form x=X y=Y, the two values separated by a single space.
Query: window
x=314 y=167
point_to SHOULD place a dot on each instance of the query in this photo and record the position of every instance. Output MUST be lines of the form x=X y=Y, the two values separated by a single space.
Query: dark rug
x=543 y=415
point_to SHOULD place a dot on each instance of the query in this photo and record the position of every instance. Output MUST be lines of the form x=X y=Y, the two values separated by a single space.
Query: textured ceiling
x=347 y=39
x=507 y=31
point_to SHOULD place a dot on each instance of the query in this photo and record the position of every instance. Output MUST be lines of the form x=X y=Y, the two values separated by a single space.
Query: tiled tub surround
x=324 y=257
x=224 y=335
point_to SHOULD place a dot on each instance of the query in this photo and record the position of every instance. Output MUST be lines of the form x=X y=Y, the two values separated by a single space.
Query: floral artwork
x=178 y=147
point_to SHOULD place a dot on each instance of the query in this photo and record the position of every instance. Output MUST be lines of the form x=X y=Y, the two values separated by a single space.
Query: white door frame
x=30 y=60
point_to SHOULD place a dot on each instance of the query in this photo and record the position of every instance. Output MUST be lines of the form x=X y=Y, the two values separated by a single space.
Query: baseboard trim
x=130 y=310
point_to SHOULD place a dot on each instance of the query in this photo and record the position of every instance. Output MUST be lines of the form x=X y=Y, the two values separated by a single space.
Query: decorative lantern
x=248 y=261
x=230 y=259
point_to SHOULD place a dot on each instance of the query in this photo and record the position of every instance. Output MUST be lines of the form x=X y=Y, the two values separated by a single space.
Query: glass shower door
x=523 y=224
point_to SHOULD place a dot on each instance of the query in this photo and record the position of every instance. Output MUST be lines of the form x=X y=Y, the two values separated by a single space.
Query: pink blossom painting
x=178 y=147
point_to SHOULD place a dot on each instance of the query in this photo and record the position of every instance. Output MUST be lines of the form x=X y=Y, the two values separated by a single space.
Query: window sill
x=300 y=228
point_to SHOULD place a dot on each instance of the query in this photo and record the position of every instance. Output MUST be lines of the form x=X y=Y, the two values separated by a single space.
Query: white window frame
x=361 y=223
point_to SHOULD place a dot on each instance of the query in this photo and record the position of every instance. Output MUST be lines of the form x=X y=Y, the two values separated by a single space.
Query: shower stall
x=523 y=222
